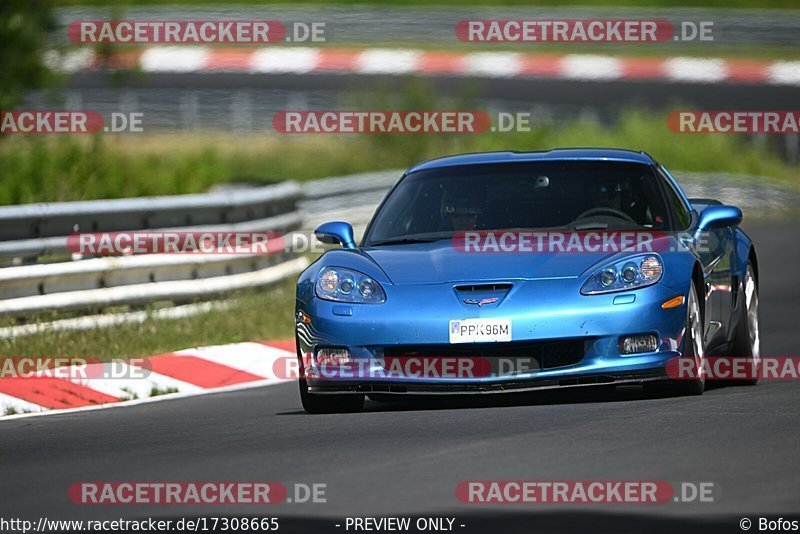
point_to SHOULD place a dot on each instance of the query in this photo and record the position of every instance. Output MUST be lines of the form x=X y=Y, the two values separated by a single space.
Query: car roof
x=560 y=154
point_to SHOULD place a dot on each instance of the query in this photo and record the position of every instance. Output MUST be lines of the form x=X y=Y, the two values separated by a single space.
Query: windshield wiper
x=406 y=241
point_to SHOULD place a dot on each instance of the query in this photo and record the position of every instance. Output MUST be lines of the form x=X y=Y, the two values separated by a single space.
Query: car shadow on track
x=577 y=395
x=580 y=395
x=534 y=398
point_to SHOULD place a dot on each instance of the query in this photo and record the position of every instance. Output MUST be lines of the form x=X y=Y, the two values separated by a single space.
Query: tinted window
x=578 y=195
x=681 y=214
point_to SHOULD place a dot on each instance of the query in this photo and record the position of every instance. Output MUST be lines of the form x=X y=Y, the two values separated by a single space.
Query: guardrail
x=28 y=232
x=31 y=230
x=351 y=198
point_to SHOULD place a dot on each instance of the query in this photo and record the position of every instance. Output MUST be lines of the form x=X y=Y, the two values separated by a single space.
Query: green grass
x=155 y=391
x=263 y=314
x=38 y=169
x=129 y=394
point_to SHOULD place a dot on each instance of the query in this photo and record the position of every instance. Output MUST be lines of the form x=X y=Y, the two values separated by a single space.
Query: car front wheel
x=692 y=348
x=325 y=403
x=313 y=403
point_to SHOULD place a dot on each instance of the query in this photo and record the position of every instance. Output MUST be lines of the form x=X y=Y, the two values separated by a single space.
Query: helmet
x=459 y=211
x=455 y=205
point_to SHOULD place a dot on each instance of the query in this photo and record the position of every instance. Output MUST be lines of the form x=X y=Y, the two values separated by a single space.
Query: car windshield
x=434 y=204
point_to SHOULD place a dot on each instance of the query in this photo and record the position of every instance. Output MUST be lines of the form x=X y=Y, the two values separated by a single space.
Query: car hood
x=440 y=262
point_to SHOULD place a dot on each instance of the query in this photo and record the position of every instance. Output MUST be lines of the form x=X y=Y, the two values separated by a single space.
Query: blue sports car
x=512 y=271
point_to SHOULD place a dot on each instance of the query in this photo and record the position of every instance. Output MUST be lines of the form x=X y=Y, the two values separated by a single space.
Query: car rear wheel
x=747 y=341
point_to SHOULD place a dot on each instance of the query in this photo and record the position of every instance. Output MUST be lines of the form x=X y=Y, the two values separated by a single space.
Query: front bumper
x=415 y=319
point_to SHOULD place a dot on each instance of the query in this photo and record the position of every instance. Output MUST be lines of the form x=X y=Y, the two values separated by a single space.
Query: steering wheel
x=611 y=212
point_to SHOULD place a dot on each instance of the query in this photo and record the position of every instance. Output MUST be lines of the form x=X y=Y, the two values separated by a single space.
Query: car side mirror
x=718 y=216
x=336 y=233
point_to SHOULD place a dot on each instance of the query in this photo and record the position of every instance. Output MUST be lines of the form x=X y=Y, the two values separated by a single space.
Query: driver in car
x=609 y=197
x=459 y=212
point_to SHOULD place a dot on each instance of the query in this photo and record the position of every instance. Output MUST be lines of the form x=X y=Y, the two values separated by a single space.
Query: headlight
x=346 y=285
x=630 y=273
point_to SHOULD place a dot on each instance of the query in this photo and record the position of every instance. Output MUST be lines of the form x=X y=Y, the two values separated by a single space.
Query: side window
x=682 y=215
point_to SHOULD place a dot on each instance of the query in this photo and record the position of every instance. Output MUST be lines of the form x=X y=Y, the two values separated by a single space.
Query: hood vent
x=483 y=288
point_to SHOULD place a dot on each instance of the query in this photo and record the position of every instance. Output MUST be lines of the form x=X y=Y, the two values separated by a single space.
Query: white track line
x=279 y=60
x=591 y=67
x=785 y=72
x=7 y=401
x=493 y=64
x=687 y=69
x=174 y=59
x=380 y=61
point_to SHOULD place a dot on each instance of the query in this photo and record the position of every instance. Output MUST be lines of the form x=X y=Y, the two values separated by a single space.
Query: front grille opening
x=561 y=354
x=548 y=354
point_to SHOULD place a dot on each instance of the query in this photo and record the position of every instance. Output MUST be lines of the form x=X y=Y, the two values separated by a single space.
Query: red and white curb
x=299 y=60
x=184 y=373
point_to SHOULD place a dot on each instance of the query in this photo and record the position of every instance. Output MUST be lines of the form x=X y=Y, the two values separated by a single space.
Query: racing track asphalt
x=611 y=94
x=407 y=460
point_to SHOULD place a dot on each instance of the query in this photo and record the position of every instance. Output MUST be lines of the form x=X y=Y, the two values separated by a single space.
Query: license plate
x=480 y=330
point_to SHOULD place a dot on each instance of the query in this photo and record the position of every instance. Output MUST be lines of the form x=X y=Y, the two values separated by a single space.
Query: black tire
x=318 y=404
x=746 y=342
x=694 y=322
